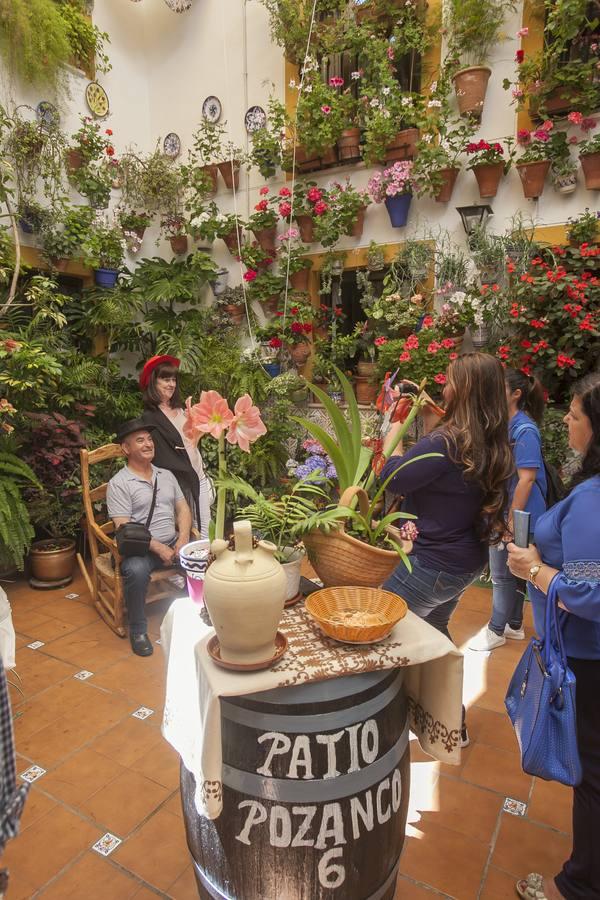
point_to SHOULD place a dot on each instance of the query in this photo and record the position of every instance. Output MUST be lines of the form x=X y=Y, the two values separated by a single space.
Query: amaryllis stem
x=221 y=491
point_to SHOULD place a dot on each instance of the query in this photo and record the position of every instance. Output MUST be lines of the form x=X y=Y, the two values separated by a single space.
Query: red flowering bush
x=423 y=354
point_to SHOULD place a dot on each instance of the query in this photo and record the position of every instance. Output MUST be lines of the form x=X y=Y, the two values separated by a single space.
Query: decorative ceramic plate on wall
x=172 y=145
x=47 y=114
x=211 y=109
x=255 y=119
x=97 y=99
x=179 y=5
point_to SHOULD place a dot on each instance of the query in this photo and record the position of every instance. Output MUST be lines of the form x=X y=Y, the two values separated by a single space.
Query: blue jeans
x=430 y=593
x=508 y=592
x=136 y=572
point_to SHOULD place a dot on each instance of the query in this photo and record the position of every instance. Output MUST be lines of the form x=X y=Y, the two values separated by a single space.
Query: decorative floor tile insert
x=158 y=641
x=71 y=596
x=142 y=713
x=32 y=774
x=83 y=675
x=36 y=645
x=107 y=843
x=514 y=807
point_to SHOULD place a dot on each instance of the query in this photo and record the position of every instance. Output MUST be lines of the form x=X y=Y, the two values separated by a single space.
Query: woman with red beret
x=159 y=382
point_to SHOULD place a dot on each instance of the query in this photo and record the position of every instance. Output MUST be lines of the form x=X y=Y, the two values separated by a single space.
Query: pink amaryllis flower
x=246 y=424
x=211 y=415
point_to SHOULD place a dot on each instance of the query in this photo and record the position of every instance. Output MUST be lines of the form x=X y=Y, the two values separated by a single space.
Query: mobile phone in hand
x=521 y=527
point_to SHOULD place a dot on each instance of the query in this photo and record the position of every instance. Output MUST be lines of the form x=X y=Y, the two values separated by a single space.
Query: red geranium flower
x=276 y=342
x=296 y=328
x=264 y=190
x=440 y=378
x=320 y=208
x=110 y=151
x=250 y=275
x=285 y=192
x=314 y=194
x=519 y=56
x=285 y=209
x=261 y=206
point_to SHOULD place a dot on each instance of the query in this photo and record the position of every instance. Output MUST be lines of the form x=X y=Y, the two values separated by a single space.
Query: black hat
x=131 y=427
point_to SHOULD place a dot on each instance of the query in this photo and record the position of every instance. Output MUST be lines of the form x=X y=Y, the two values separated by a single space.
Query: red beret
x=152 y=363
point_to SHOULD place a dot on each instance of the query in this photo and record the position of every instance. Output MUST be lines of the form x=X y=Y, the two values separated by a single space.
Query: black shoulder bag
x=133 y=538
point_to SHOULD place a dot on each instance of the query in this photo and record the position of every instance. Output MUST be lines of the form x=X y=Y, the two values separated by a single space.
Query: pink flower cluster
x=395 y=180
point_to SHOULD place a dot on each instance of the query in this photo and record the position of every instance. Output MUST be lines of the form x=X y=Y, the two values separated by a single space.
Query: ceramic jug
x=245 y=590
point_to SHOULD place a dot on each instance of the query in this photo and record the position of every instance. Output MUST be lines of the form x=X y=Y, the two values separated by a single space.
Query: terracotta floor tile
x=408 y=890
x=497 y=770
x=160 y=764
x=145 y=893
x=462 y=807
x=36 y=805
x=522 y=847
x=432 y=858
x=185 y=887
x=157 y=852
x=92 y=647
x=94 y=878
x=173 y=805
x=20 y=887
x=73 y=612
x=498 y=885
x=124 y=803
x=552 y=804
x=42 y=672
x=26 y=599
x=53 y=629
x=48 y=845
x=49 y=705
x=128 y=741
x=494 y=729
x=82 y=775
x=27 y=621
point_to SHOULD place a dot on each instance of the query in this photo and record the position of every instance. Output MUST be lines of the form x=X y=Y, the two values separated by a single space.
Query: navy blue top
x=526 y=441
x=568 y=539
x=447 y=507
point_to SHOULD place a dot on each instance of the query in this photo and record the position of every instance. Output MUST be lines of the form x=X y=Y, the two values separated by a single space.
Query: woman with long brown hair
x=459 y=496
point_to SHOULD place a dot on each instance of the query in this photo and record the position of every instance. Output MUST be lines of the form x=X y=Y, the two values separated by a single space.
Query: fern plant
x=16 y=531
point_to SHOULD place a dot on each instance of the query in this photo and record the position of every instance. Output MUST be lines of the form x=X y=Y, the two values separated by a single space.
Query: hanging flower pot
x=590 y=163
x=300 y=280
x=404 y=145
x=471 y=85
x=533 y=176
x=266 y=238
x=565 y=184
x=74 y=160
x=235 y=313
x=106 y=278
x=230 y=172
x=270 y=305
x=219 y=285
x=365 y=390
x=25 y=226
x=488 y=178
x=448 y=177
x=179 y=243
x=348 y=145
x=233 y=240
x=273 y=369
x=398 y=208
x=306 y=227
x=299 y=353
x=356 y=229
x=212 y=177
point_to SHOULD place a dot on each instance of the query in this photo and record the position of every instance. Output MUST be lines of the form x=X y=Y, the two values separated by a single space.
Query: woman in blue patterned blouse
x=567 y=545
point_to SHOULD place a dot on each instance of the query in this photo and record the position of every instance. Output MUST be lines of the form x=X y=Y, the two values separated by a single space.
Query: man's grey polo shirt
x=129 y=496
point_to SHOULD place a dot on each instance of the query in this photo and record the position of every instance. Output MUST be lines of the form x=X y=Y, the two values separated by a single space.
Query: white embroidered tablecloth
x=192 y=716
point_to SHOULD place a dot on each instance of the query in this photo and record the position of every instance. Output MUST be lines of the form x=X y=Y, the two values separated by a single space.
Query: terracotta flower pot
x=74 y=159
x=270 y=305
x=488 y=178
x=533 y=176
x=52 y=560
x=300 y=280
x=230 y=172
x=348 y=145
x=212 y=173
x=299 y=353
x=366 y=369
x=403 y=146
x=449 y=177
x=266 y=238
x=179 y=243
x=357 y=229
x=306 y=227
x=60 y=263
x=365 y=390
x=329 y=158
x=141 y=231
x=305 y=161
x=235 y=313
x=590 y=163
x=471 y=86
x=231 y=240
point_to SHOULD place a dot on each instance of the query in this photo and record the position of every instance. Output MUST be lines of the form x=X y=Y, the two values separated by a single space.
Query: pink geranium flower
x=264 y=190
x=325 y=109
x=210 y=416
x=246 y=425
x=440 y=378
x=575 y=118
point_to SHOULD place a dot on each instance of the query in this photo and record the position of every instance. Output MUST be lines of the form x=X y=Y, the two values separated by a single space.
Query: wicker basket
x=374 y=612
x=339 y=559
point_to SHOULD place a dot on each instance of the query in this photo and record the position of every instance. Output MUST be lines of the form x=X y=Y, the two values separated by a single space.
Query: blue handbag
x=540 y=702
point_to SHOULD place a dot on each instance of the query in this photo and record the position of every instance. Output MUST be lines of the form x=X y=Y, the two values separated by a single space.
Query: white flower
x=292 y=83
x=433 y=87
x=434 y=103
x=385 y=91
x=374 y=102
x=386 y=113
x=407 y=101
x=354 y=76
x=308 y=89
x=428 y=138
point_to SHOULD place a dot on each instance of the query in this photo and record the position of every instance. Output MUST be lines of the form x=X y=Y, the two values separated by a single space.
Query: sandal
x=532 y=887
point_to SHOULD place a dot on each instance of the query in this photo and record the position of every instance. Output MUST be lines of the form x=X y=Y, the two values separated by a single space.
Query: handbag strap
x=153 y=504
x=551 y=624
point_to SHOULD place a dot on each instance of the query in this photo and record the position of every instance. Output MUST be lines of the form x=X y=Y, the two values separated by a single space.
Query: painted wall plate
x=255 y=119
x=172 y=145
x=47 y=114
x=179 y=6
x=211 y=109
x=97 y=99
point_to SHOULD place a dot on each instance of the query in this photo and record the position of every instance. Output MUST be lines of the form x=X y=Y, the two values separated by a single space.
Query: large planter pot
x=266 y=238
x=179 y=244
x=230 y=173
x=565 y=184
x=235 y=313
x=212 y=173
x=106 y=278
x=398 y=208
x=366 y=369
x=448 y=176
x=300 y=280
x=306 y=227
x=233 y=241
x=299 y=353
x=52 y=560
x=348 y=145
x=219 y=285
x=356 y=229
x=292 y=570
x=590 y=163
x=365 y=390
x=533 y=176
x=471 y=86
x=488 y=178
x=74 y=160
x=404 y=145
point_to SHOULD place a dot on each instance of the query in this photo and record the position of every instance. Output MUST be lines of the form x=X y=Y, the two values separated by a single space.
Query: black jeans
x=580 y=876
x=136 y=572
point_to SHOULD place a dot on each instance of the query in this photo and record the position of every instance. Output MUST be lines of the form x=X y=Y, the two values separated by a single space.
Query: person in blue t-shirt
x=527 y=491
x=567 y=547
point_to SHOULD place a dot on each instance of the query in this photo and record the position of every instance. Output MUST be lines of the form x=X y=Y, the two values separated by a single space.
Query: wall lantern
x=474 y=216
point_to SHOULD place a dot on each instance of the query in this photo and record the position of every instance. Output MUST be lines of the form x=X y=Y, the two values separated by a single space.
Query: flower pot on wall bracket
x=471 y=85
x=590 y=163
x=448 y=177
x=329 y=158
x=219 y=284
x=306 y=227
x=299 y=353
x=307 y=161
x=237 y=314
x=272 y=368
x=267 y=238
x=106 y=278
x=403 y=146
x=230 y=172
x=488 y=178
x=398 y=208
x=233 y=240
x=300 y=280
x=74 y=160
x=25 y=226
x=565 y=184
x=179 y=244
x=270 y=305
x=348 y=145
x=365 y=390
x=212 y=173
x=356 y=229
x=533 y=176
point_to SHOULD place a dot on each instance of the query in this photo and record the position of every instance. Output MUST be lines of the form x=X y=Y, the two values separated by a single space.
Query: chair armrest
x=108 y=542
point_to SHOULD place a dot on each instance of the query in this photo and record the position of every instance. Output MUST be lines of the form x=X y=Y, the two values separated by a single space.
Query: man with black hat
x=129 y=499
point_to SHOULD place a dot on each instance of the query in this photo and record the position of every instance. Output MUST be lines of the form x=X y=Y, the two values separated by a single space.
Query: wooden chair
x=105 y=582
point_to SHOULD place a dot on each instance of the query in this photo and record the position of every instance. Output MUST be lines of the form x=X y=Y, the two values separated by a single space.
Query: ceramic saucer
x=215 y=654
x=293 y=600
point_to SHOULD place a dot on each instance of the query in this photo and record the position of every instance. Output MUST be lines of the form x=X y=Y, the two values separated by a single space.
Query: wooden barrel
x=316 y=782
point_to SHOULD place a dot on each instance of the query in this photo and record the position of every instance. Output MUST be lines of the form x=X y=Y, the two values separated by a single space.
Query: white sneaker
x=514 y=634
x=487 y=640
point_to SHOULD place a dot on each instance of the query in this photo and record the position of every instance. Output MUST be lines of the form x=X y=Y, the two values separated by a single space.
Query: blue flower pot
x=398 y=208
x=106 y=278
x=272 y=369
x=25 y=226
